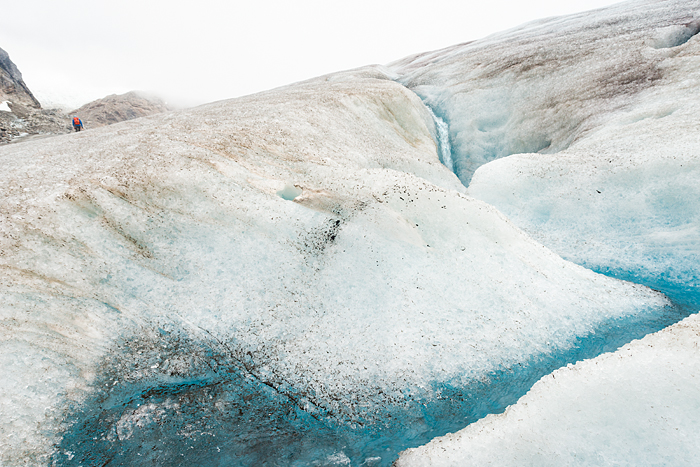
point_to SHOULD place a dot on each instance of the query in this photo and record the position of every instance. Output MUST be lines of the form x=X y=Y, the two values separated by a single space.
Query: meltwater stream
x=221 y=414
x=443 y=140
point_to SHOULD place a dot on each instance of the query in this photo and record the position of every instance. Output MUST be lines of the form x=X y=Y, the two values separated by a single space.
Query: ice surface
x=604 y=103
x=637 y=406
x=4 y=107
x=168 y=298
x=295 y=278
x=443 y=141
x=622 y=199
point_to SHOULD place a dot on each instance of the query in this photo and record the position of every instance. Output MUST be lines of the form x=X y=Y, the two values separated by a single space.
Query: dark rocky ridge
x=26 y=117
x=12 y=86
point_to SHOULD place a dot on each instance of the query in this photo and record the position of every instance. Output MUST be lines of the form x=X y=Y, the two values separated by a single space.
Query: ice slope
x=622 y=200
x=637 y=406
x=541 y=86
x=603 y=106
x=291 y=278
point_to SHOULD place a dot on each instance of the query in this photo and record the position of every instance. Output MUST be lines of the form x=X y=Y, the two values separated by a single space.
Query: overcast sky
x=200 y=51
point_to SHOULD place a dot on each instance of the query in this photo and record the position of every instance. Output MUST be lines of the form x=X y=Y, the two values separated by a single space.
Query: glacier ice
x=622 y=199
x=158 y=290
x=596 y=158
x=541 y=86
x=295 y=278
x=442 y=137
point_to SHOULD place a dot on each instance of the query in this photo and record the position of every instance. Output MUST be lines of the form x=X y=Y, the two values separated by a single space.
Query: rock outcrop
x=21 y=114
x=12 y=86
x=118 y=108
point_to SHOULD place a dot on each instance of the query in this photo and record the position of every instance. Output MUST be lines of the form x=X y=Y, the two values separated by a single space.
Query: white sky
x=200 y=51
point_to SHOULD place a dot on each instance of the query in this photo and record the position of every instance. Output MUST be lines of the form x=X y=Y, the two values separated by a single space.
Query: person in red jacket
x=77 y=123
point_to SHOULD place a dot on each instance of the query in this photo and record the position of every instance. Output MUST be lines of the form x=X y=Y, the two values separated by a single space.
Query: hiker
x=77 y=123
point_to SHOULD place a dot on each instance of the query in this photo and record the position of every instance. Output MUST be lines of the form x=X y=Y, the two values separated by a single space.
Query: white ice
x=380 y=278
x=583 y=131
x=541 y=86
x=4 y=107
x=623 y=197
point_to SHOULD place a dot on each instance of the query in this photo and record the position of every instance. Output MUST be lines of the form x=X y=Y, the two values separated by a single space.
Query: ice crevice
x=676 y=35
x=442 y=130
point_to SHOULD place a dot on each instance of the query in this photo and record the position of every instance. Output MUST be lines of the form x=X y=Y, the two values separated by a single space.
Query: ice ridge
x=560 y=95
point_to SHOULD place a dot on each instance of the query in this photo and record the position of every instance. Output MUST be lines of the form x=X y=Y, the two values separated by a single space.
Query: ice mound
x=582 y=131
x=632 y=407
x=621 y=201
x=288 y=277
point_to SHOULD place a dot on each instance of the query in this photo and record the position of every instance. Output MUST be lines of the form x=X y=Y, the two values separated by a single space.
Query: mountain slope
x=119 y=108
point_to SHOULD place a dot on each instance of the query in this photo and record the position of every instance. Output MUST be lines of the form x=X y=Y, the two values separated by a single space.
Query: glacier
x=299 y=278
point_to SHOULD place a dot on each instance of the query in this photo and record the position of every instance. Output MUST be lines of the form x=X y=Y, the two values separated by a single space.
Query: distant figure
x=77 y=123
